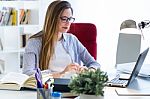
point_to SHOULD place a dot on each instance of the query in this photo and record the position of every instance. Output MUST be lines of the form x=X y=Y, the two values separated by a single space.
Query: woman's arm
x=31 y=56
x=85 y=56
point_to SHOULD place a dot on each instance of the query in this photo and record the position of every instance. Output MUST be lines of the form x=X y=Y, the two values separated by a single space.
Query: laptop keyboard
x=116 y=80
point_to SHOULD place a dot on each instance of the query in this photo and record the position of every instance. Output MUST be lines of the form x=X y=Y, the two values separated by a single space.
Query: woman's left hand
x=81 y=69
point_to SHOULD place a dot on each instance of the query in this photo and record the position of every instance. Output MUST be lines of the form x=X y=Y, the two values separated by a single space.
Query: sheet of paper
x=132 y=92
x=128 y=67
x=124 y=76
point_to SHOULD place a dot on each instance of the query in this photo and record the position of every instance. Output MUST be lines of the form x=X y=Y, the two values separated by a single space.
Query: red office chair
x=86 y=33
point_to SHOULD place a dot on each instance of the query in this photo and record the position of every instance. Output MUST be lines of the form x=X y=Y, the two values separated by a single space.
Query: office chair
x=86 y=33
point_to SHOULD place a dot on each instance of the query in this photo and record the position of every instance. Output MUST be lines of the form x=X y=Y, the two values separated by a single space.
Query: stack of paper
x=128 y=68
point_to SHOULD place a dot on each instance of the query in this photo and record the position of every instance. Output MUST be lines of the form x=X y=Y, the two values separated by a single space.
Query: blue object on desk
x=56 y=95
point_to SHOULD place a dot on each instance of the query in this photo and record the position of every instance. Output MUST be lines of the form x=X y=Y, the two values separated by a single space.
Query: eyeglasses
x=65 y=19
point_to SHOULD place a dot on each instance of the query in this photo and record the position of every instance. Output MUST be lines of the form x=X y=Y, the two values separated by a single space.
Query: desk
x=110 y=92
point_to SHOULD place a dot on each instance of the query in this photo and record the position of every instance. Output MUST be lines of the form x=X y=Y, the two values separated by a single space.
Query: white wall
x=108 y=15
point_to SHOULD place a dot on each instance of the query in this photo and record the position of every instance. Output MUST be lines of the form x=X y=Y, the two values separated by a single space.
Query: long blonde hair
x=49 y=31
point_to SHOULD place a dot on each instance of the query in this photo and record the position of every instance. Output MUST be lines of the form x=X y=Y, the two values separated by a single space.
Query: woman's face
x=65 y=20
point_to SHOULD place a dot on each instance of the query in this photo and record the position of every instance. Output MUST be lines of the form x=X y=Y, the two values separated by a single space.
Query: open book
x=16 y=81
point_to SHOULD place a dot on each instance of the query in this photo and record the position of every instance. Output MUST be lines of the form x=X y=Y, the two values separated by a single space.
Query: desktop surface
x=110 y=92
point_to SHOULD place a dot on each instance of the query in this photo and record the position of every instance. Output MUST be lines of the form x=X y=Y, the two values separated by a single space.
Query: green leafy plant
x=89 y=82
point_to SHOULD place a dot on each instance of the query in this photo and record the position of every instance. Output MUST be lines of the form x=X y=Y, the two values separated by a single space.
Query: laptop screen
x=138 y=66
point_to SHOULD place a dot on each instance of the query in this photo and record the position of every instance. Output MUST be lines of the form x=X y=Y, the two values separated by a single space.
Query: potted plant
x=88 y=83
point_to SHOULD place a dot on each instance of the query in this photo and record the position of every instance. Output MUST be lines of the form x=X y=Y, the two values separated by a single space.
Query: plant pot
x=84 y=96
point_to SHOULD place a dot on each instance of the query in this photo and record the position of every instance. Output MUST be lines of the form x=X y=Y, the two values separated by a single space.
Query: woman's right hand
x=72 y=67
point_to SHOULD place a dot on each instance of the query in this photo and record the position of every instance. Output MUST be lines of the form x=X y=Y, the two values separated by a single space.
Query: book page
x=14 y=77
x=10 y=86
x=30 y=82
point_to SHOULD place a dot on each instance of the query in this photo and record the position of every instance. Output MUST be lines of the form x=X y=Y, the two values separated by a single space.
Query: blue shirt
x=70 y=43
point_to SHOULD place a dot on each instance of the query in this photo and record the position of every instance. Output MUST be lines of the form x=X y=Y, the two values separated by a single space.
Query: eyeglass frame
x=67 y=19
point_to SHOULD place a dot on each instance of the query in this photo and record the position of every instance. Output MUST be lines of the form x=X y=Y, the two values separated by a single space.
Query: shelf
x=11 y=36
x=11 y=51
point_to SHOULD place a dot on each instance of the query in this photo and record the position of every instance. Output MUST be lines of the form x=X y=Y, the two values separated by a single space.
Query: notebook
x=61 y=85
x=117 y=82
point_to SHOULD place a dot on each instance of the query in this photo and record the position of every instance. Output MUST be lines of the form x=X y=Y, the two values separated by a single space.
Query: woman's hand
x=72 y=67
x=75 y=67
x=82 y=69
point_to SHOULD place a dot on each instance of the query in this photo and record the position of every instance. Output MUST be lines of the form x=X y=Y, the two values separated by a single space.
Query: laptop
x=117 y=82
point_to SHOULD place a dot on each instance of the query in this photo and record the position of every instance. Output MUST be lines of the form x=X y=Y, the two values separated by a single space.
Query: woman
x=53 y=50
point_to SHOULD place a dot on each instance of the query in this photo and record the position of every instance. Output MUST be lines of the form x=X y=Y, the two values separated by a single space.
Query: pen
x=39 y=81
x=40 y=85
x=39 y=72
x=46 y=86
x=50 y=87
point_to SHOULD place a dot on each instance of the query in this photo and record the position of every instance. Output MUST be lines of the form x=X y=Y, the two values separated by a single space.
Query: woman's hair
x=49 y=36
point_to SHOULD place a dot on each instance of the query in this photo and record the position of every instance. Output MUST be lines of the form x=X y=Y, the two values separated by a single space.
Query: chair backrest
x=128 y=48
x=86 y=33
